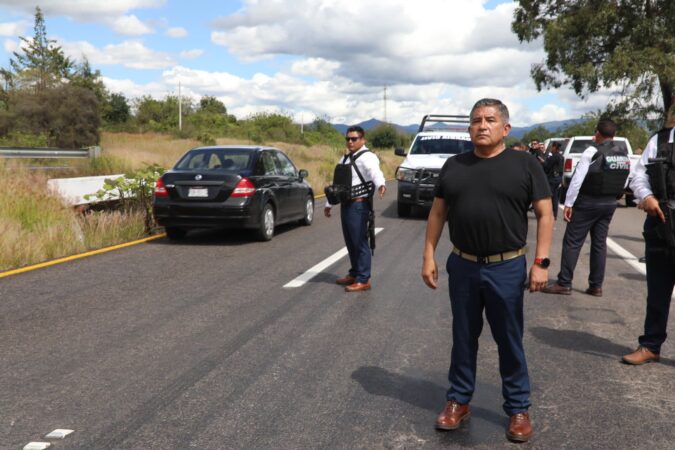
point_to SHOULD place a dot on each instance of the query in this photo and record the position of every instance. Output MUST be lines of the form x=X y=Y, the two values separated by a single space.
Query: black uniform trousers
x=660 y=281
x=554 y=185
x=593 y=218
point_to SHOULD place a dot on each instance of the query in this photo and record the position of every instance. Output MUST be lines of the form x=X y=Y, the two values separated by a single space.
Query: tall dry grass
x=35 y=226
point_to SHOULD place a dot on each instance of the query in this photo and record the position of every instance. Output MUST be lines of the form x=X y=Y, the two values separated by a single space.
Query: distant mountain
x=516 y=132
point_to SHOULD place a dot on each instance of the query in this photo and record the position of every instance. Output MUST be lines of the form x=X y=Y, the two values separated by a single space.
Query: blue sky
x=328 y=58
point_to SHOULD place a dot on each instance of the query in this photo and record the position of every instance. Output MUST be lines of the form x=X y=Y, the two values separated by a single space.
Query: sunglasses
x=352 y=139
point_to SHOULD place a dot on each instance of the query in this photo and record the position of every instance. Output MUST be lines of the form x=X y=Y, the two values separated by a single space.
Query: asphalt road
x=198 y=345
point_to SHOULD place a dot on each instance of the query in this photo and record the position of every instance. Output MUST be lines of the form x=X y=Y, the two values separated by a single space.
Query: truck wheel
x=403 y=209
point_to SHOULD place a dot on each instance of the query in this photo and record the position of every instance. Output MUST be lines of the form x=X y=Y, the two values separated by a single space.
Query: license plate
x=198 y=192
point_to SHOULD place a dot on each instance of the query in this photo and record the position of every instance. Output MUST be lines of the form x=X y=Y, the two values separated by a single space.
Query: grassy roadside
x=36 y=227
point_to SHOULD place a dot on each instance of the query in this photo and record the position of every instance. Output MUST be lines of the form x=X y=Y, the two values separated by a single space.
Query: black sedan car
x=232 y=187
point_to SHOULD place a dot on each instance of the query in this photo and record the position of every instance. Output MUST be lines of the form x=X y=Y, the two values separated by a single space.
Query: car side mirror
x=398 y=151
x=303 y=174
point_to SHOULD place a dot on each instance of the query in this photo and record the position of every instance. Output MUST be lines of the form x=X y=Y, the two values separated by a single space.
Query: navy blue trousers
x=498 y=289
x=660 y=281
x=554 y=185
x=586 y=218
x=354 y=217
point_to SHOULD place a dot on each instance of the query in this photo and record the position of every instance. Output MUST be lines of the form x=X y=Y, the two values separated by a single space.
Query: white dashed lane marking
x=320 y=267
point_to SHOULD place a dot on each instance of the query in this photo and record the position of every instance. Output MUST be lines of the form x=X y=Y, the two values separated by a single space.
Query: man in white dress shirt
x=355 y=211
x=660 y=257
x=600 y=176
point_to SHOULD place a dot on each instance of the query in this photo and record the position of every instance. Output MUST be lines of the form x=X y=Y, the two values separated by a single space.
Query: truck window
x=434 y=145
x=579 y=146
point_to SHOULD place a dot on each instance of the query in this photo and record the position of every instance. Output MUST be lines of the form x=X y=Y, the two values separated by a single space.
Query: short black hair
x=492 y=102
x=606 y=127
x=356 y=129
x=555 y=144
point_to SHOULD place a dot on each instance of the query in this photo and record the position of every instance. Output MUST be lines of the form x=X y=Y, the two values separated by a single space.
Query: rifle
x=657 y=169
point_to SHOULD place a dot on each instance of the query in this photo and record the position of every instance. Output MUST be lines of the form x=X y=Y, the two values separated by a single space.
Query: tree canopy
x=591 y=44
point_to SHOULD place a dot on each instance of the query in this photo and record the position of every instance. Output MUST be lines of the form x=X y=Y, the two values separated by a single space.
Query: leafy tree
x=42 y=64
x=212 y=105
x=116 y=109
x=595 y=43
x=386 y=136
x=539 y=134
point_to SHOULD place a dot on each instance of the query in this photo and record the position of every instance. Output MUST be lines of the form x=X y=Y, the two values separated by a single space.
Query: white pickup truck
x=572 y=151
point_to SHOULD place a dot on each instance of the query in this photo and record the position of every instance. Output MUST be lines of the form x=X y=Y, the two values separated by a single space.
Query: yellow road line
x=81 y=255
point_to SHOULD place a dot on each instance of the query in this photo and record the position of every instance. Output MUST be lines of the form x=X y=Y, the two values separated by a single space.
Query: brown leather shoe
x=452 y=416
x=346 y=281
x=640 y=356
x=356 y=287
x=555 y=288
x=595 y=292
x=520 y=428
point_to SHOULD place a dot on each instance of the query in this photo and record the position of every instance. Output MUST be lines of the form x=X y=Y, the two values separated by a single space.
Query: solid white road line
x=317 y=269
x=627 y=256
x=37 y=446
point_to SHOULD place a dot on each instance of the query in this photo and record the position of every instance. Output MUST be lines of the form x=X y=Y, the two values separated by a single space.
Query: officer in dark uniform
x=600 y=176
x=553 y=167
x=653 y=184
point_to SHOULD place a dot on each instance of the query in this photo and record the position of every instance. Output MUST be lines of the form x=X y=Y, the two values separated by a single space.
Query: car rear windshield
x=579 y=146
x=433 y=145
x=229 y=160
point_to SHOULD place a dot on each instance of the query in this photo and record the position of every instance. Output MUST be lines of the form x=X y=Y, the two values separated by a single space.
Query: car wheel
x=309 y=211
x=175 y=233
x=403 y=209
x=266 y=227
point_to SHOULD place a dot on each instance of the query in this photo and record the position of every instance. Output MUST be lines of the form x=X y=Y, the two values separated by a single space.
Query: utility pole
x=385 y=104
x=180 y=112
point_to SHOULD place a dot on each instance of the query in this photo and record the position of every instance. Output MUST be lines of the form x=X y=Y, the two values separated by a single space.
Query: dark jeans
x=354 y=216
x=554 y=185
x=593 y=218
x=660 y=281
x=498 y=289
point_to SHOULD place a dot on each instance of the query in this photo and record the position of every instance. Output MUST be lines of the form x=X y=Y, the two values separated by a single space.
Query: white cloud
x=10 y=45
x=11 y=29
x=129 y=26
x=176 y=32
x=191 y=54
x=132 y=54
x=83 y=10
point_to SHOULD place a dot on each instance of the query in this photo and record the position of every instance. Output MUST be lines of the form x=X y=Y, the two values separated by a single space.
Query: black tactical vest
x=664 y=150
x=608 y=171
x=342 y=178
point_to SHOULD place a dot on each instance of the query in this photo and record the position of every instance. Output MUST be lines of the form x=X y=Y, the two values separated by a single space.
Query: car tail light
x=568 y=165
x=160 y=189
x=245 y=188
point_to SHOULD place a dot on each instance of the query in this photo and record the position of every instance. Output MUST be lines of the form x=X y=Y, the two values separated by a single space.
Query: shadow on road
x=231 y=237
x=580 y=341
x=417 y=392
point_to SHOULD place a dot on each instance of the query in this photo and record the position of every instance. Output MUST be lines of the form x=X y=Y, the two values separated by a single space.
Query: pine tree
x=41 y=63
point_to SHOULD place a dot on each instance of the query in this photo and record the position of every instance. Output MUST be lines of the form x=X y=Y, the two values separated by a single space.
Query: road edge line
x=78 y=256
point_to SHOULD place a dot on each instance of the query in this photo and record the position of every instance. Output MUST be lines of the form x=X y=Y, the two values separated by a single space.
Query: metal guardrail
x=53 y=153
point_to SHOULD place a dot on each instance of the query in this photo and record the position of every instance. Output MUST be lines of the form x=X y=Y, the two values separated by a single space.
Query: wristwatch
x=542 y=261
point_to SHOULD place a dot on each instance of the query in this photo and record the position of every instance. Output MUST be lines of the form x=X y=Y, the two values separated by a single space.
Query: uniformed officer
x=553 y=167
x=660 y=256
x=600 y=176
x=355 y=211
x=484 y=196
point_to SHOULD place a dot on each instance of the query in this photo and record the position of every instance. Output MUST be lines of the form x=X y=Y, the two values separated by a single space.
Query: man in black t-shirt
x=484 y=196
